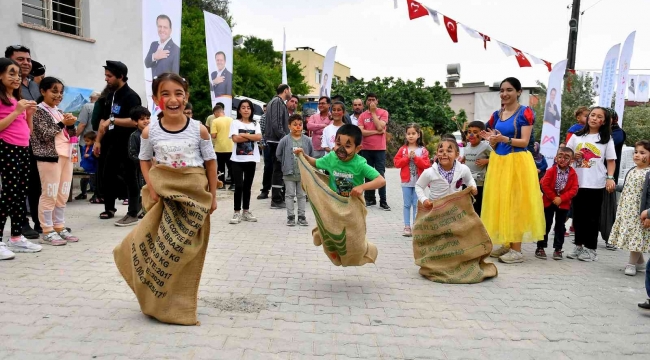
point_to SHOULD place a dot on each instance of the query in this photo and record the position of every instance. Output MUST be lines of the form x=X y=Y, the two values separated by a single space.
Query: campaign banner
x=328 y=73
x=642 y=91
x=553 y=113
x=608 y=77
x=284 y=57
x=218 y=42
x=623 y=76
x=632 y=87
x=161 y=41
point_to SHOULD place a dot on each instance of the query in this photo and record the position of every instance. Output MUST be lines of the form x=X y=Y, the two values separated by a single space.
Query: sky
x=374 y=39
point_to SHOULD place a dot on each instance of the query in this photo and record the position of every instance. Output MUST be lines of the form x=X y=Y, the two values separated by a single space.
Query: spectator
x=277 y=127
x=220 y=132
x=317 y=123
x=85 y=115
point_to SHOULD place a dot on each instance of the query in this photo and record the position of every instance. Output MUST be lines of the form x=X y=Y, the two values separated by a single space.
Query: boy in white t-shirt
x=328 y=141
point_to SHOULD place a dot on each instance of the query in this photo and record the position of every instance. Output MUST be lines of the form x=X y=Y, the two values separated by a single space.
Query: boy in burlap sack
x=162 y=258
x=339 y=210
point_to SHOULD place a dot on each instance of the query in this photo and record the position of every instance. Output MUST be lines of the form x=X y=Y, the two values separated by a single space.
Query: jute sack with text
x=162 y=258
x=450 y=243
x=340 y=221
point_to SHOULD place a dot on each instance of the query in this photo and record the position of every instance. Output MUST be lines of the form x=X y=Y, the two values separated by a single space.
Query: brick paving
x=71 y=303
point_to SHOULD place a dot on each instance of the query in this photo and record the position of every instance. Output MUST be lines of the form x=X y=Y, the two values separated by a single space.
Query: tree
x=635 y=124
x=579 y=94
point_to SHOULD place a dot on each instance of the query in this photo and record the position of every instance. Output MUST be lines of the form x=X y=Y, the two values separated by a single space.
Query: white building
x=74 y=38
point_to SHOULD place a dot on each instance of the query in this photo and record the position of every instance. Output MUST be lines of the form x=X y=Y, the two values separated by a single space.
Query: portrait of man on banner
x=324 y=87
x=163 y=55
x=222 y=78
x=552 y=115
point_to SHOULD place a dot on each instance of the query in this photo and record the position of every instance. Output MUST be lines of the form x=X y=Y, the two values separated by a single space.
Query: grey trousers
x=294 y=189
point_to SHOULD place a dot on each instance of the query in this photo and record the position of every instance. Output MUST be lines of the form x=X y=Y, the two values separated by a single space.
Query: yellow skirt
x=513 y=210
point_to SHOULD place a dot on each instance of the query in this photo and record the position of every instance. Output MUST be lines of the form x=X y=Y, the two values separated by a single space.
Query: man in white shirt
x=357 y=110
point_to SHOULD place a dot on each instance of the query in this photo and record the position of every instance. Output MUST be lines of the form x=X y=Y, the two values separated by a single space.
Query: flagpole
x=573 y=36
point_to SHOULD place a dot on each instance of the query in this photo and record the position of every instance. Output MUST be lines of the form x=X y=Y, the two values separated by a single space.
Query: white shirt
x=329 y=136
x=438 y=185
x=354 y=119
x=592 y=170
x=247 y=151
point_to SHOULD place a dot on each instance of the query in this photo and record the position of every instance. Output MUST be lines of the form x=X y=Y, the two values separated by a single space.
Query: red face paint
x=161 y=103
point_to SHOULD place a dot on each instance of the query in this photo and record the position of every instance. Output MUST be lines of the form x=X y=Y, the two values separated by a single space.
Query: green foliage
x=581 y=94
x=636 y=124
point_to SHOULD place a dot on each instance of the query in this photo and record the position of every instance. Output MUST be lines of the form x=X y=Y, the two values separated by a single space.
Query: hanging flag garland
x=417 y=10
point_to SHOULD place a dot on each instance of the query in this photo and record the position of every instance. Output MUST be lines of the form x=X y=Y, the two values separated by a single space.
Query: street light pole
x=573 y=35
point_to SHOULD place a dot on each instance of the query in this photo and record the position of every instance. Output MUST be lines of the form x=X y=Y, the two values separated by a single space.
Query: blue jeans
x=377 y=160
x=647 y=278
x=410 y=202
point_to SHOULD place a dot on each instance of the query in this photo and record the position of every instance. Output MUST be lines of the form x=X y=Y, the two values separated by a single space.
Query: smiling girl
x=328 y=141
x=15 y=127
x=513 y=211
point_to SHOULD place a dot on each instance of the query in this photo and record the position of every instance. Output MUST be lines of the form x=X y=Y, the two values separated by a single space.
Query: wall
x=115 y=26
x=311 y=60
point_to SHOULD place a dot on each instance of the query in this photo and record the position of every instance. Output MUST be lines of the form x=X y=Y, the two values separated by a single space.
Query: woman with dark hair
x=513 y=211
x=245 y=133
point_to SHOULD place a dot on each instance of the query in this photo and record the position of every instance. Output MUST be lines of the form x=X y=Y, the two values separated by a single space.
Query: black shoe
x=263 y=195
x=81 y=197
x=29 y=233
x=645 y=305
x=281 y=205
x=38 y=229
x=371 y=202
x=384 y=206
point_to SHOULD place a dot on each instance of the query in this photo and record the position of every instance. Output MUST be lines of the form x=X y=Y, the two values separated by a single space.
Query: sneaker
x=248 y=216
x=610 y=246
x=236 y=218
x=557 y=255
x=29 y=233
x=630 y=270
x=53 y=239
x=23 y=246
x=512 y=257
x=407 y=231
x=645 y=305
x=371 y=202
x=588 y=255
x=127 y=220
x=281 y=205
x=500 y=251
x=291 y=221
x=5 y=253
x=384 y=206
x=540 y=254
x=302 y=221
x=577 y=250
x=81 y=197
x=65 y=235
x=263 y=195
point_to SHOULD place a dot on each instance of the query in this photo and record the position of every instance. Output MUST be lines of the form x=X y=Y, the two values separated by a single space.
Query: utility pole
x=573 y=35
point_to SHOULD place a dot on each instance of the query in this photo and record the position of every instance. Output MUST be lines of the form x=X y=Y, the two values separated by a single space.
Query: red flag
x=485 y=40
x=521 y=58
x=416 y=10
x=548 y=65
x=452 y=29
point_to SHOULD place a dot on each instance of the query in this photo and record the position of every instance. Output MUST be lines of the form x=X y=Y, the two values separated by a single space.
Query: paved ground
x=71 y=303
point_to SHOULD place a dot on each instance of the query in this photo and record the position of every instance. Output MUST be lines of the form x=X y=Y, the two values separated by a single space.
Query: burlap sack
x=340 y=221
x=162 y=258
x=450 y=243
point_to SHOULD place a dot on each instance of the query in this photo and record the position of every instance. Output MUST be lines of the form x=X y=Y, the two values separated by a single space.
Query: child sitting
x=89 y=164
x=559 y=186
x=477 y=158
x=290 y=170
x=347 y=169
x=141 y=116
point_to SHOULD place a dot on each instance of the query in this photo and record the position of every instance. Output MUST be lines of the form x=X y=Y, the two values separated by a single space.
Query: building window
x=58 y=15
x=318 y=75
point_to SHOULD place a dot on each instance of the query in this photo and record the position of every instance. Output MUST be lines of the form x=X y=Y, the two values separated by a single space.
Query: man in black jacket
x=277 y=126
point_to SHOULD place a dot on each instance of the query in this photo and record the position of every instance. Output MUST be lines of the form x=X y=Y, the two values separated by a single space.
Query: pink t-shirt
x=373 y=142
x=316 y=124
x=17 y=133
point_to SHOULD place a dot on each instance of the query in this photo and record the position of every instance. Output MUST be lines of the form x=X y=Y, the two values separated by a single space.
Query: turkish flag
x=548 y=65
x=452 y=28
x=521 y=58
x=485 y=40
x=416 y=10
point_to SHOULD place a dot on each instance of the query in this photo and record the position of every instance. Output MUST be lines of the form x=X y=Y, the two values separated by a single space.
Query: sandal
x=95 y=200
x=107 y=215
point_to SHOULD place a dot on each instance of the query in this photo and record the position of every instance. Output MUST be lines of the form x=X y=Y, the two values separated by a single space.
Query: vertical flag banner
x=595 y=83
x=623 y=76
x=632 y=87
x=553 y=113
x=284 y=57
x=218 y=42
x=642 y=91
x=608 y=77
x=161 y=41
x=328 y=73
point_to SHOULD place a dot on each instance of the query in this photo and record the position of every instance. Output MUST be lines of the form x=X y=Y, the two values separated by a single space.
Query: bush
x=636 y=124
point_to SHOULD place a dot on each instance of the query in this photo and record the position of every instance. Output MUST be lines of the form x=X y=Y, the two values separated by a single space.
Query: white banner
x=553 y=113
x=595 y=83
x=218 y=42
x=642 y=91
x=161 y=41
x=328 y=73
x=608 y=77
x=284 y=57
x=623 y=76
x=632 y=87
